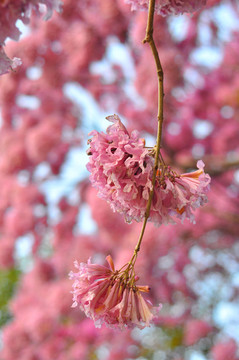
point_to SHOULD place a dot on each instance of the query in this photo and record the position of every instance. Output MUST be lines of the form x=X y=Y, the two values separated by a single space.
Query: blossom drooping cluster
x=110 y=296
x=169 y=7
x=10 y=12
x=122 y=167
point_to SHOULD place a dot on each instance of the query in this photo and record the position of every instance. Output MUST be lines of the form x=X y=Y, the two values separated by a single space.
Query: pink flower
x=169 y=7
x=225 y=350
x=7 y=64
x=121 y=169
x=6 y=252
x=19 y=220
x=42 y=139
x=190 y=189
x=10 y=12
x=110 y=296
x=194 y=330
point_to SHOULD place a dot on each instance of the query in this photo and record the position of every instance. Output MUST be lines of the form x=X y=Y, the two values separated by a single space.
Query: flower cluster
x=121 y=169
x=10 y=12
x=169 y=7
x=110 y=296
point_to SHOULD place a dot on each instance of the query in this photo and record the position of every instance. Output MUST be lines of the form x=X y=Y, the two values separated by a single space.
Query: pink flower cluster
x=108 y=296
x=10 y=12
x=121 y=169
x=169 y=7
x=174 y=260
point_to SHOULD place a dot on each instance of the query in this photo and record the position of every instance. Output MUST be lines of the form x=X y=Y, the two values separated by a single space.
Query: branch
x=149 y=39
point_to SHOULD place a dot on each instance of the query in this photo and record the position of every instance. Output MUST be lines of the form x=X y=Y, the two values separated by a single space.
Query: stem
x=149 y=39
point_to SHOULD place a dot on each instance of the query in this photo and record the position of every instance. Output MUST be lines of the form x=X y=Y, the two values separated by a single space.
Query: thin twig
x=149 y=39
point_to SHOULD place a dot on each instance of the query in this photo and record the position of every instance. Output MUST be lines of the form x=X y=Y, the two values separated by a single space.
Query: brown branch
x=149 y=39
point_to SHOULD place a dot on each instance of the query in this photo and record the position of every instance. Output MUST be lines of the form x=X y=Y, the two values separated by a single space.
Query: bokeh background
x=80 y=66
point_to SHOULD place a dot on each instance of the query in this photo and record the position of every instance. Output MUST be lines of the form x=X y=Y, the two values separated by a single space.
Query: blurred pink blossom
x=6 y=253
x=7 y=64
x=41 y=139
x=225 y=350
x=194 y=330
x=169 y=7
x=19 y=220
x=10 y=12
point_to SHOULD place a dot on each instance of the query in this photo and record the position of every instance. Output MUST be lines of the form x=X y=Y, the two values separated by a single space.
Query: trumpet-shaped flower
x=109 y=296
x=169 y=7
x=121 y=169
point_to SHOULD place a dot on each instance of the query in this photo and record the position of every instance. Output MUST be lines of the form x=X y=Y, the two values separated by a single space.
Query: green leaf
x=8 y=281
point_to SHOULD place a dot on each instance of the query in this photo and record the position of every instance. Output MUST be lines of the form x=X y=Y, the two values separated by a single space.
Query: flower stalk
x=150 y=40
x=143 y=174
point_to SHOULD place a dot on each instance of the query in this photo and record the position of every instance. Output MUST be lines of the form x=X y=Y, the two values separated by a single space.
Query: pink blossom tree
x=46 y=197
